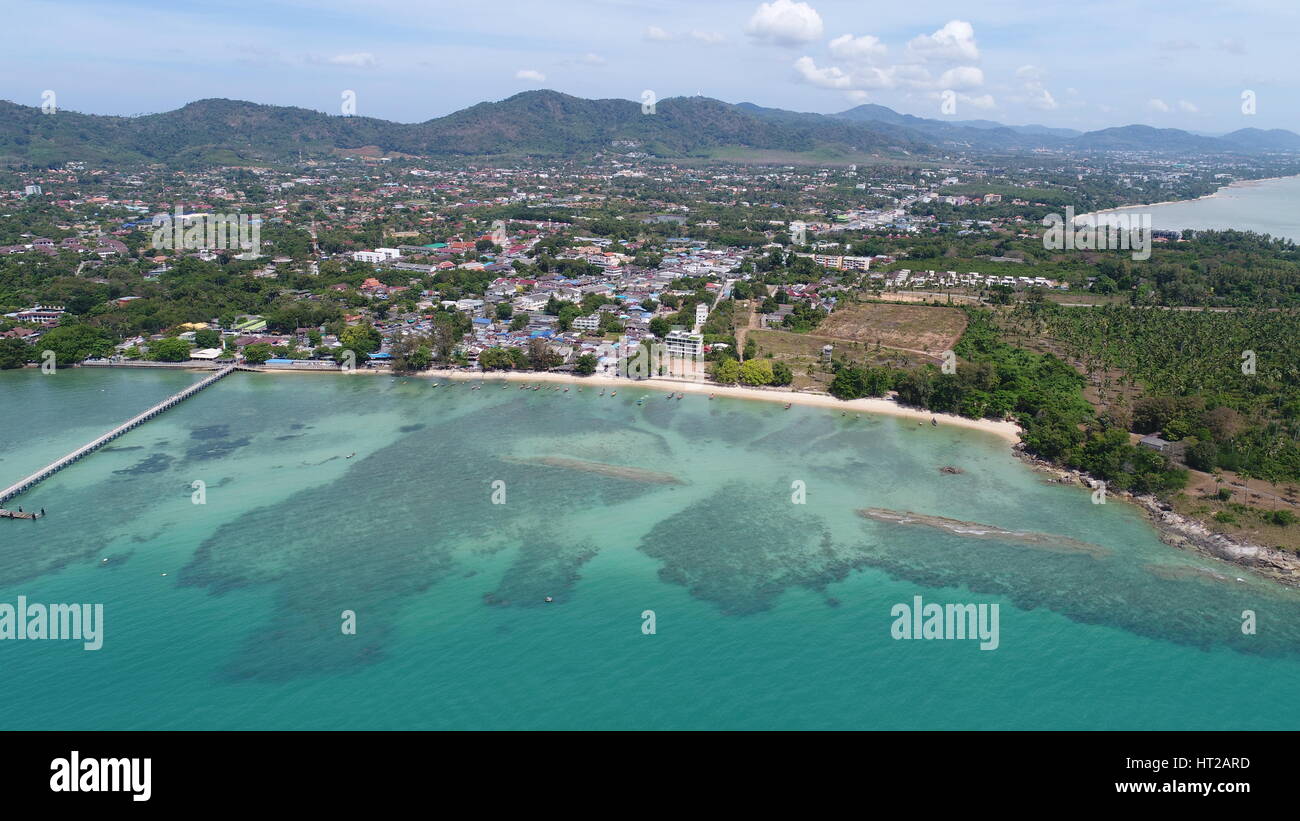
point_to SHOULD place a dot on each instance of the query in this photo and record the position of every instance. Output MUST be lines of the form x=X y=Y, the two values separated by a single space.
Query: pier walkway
x=85 y=450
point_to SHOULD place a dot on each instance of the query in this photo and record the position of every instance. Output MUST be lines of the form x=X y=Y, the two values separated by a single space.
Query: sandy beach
x=1009 y=431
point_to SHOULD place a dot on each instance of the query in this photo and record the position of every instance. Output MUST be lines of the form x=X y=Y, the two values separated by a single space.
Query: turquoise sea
x=1264 y=206
x=769 y=614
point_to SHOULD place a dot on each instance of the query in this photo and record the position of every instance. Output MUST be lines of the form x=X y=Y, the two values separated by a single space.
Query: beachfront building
x=684 y=345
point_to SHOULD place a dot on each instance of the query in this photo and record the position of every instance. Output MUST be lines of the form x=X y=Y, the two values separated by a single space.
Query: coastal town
x=508 y=280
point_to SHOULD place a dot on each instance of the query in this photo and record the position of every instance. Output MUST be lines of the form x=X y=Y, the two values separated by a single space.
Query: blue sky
x=1087 y=64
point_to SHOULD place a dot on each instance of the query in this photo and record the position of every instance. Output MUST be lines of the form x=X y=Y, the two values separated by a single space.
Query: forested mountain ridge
x=548 y=123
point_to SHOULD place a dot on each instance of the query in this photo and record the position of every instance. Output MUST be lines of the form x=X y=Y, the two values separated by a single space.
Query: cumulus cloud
x=785 y=23
x=530 y=74
x=864 y=49
x=592 y=59
x=961 y=77
x=1159 y=105
x=657 y=34
x=363 y=59
x=1186 y=107
x=935 y=62
x=909 y=77
x=955 y=42
x=706 y=36
x=983 y=101
x=829 y=77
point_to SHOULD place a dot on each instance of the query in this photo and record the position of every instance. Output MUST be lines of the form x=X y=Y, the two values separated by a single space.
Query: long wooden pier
x=87 y=449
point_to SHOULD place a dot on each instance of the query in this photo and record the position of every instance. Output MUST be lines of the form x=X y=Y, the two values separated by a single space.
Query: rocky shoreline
x=1184 y=533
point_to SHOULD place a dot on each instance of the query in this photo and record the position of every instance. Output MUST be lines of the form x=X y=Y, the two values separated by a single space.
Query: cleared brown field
x=920 y=329
x=803 y=353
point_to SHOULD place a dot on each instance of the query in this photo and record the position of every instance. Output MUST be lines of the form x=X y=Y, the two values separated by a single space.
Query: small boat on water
x=788 y=404
x=615 y=393
x=350 y=455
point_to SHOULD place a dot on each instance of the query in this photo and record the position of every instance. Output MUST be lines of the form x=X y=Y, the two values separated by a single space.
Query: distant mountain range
x=547 y=123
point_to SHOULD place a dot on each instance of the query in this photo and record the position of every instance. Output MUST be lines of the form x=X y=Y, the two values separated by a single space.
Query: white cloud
x=363 y=59
x=657 y=34
x=785 y=23
x=984 y=101
x=910 y=77
x=1157 y=104
x=1189 y=108
x=955 y=42
x=830 y=77
x=706 y=36
x=530 y=74
x=592 y=59
x=961 y=78
x=864 y=49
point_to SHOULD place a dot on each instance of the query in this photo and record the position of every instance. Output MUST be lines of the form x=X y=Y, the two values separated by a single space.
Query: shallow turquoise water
x=769 y=614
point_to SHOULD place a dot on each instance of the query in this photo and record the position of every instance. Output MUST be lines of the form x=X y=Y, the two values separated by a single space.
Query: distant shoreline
x=1234 y=184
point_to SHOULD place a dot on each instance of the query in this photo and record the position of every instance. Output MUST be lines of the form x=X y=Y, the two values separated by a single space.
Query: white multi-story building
x=587 y=323
x=684 y=345
x=377 y=255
